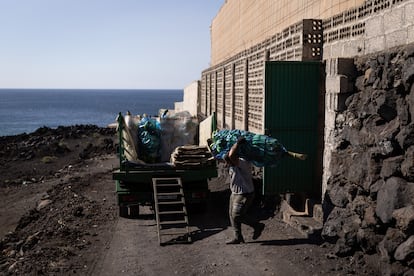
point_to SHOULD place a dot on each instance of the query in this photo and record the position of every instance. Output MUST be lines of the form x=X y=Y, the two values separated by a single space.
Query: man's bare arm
x=234 y=151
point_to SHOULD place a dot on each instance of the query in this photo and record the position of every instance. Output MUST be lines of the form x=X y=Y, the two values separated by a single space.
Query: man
x=242 y=194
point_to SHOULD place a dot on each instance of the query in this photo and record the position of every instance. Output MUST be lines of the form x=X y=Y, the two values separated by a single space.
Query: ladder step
x=170 y=202
x=169 y=185
x=166 y=179
x=171 y=212
x=167 y=222
x=169 y=194
x=174 y=233
x=170 y=209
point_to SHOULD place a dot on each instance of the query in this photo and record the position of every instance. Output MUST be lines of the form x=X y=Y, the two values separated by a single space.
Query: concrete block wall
x=234 y=89
x=239 y=93
x=228 y=97
x=340 y=74
x=240 y=25
x=220 y=96
x=372 y=27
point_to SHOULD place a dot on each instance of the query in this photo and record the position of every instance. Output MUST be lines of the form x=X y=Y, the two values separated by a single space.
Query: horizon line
x=14 y=88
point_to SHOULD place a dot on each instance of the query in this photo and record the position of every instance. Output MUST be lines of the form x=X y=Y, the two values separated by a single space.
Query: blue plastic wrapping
x=261 y=150
x=149 y=140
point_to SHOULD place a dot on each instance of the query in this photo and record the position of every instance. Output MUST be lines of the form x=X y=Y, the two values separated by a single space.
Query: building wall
x=179 y=106
x=245 y=34
x=234 y=88
x=190 y=99
x=241 y=24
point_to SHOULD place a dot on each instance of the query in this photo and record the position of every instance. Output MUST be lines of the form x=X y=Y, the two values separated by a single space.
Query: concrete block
x=375 y=44
x=332 y=102
x=312 y=26
x=329 y=64
x=340 y=102
x=309 y=54
x=332 y=84
x=329 y=119
x=336 y=50
x=340 y=66
x=394 y=19
x=337 y=84
x=328 y=103
x=374 y=27
x=336 y=101
x=345 y=66
x=409 y=14
x=396 y=38
x=354 y=48
x=326 y=52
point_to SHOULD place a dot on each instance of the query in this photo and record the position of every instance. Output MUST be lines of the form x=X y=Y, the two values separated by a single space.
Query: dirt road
x=132 y=248
x=134 y=251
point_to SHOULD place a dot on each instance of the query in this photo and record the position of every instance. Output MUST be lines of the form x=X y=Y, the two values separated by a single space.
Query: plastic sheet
x=157 y=137
x=261 y=150
x=149 y=140
x=177 y=130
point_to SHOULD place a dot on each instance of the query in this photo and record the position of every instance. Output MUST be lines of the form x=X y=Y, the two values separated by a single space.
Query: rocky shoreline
x=52 y=216
x=47 y=149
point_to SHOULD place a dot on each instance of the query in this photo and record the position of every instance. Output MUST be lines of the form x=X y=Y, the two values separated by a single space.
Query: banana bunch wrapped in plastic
x=261 y=150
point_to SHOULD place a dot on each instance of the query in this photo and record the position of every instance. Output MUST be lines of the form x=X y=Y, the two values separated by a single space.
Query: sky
x=104 y=44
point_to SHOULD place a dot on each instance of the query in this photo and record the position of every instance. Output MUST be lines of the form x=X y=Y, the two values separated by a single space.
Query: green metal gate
x=294 y=107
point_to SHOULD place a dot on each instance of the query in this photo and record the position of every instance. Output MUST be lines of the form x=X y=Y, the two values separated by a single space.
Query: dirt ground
x=59 y=216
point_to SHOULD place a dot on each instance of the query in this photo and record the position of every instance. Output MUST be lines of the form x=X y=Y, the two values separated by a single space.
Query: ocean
x=25 y=110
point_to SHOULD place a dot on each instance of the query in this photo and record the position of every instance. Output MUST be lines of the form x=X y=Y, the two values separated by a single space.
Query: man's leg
x=248 y=220
x=236 y=207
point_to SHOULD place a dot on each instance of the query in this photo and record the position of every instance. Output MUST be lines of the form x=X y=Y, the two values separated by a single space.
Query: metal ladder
x=170 y=210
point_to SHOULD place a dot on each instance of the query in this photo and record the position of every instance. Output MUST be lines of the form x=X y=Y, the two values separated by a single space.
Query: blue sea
x=25 y=110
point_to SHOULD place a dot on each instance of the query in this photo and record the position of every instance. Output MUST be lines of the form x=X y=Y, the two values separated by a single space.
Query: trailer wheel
x=123 y=211
x=134 y=211
x=198 y=208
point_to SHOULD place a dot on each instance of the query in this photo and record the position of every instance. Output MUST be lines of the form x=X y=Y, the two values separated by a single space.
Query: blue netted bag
x=149 y=140
x=261 y=150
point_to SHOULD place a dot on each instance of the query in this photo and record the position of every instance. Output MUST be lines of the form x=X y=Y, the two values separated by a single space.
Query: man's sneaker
x=235 y=241
x=258 y=231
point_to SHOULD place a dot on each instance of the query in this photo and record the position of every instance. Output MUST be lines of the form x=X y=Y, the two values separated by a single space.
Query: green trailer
x=134 y=181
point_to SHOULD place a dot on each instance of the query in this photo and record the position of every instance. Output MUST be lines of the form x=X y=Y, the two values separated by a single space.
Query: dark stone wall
x=369 y=204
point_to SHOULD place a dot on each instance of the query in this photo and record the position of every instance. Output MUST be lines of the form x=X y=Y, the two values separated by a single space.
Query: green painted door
x=294 y=107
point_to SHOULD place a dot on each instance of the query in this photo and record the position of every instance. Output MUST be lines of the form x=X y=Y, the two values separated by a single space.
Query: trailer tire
x=134 y=211
x=198 y=208
x=123 y=211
